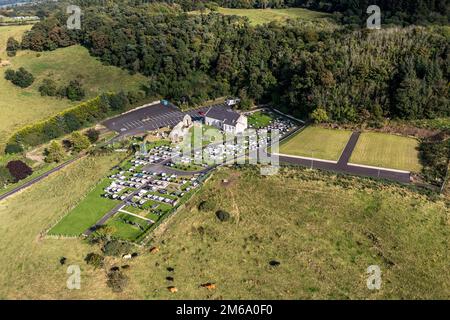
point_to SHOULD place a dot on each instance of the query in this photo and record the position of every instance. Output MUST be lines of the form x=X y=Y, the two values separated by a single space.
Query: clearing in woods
x=261 y=16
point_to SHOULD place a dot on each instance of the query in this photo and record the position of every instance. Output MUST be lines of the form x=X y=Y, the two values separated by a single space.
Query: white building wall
x=214 y=122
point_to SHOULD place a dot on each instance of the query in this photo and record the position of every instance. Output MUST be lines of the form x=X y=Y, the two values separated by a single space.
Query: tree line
x=300 y=66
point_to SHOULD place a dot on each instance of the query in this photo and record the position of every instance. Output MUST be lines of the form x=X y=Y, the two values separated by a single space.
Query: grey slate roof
x=226 y=115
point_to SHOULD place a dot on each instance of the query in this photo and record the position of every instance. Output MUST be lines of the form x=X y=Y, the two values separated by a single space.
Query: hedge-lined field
x=80 y=116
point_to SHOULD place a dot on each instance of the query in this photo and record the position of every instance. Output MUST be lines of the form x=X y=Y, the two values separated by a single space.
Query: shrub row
x=68 y=121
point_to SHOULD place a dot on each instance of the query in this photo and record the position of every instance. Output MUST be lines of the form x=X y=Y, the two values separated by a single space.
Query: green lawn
x=125 y=230
x=388 y=151
x=316 y=142
x=86 y=213
x=261 y=16
x=259 y=120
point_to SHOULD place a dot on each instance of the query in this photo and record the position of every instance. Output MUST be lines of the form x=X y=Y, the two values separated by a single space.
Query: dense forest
x=352 y=75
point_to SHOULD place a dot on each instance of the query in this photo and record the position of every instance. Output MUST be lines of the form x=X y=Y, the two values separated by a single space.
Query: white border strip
x=304 y=158
x=136 y=215
x=377 y=168
x=141 y=107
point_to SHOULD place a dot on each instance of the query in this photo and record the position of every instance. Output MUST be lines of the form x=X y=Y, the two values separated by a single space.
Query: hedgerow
x=68 y=121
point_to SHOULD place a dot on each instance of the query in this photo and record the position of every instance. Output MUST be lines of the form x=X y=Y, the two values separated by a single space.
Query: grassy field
x=261 y=16
x=316 y=142
x=86 y=213
x=23 y=106
x=125 y=230
x=324 y=235
x=259 y=119
x=18 y=106
x=30 y=264
x=10 y=31
x=74 y=62
x=388 y=151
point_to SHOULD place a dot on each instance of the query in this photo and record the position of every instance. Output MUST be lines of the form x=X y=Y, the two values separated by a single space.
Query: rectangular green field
x=316 y=142
x=387 y=151
x=86 y=213
x=125 y=230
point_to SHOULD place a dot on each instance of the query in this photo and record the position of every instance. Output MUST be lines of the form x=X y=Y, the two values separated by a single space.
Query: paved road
x=348 y=150
x=37 y=179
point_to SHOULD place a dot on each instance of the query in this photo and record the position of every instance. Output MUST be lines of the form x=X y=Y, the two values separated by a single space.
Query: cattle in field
x=172 y=289
x=154 y=250
x=209 y=286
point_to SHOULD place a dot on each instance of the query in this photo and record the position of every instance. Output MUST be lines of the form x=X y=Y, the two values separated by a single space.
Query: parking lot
x=152 y=117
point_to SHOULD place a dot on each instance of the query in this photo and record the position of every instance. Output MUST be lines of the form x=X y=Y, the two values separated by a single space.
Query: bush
x=92 y=135
x=319 y=115
x=119 y=102
x=135 y=96
x=116 y=248
x=13 y=148
x=223 y=215
x=434 y=156
x=79 y=142
x=21 y=77
x=5 y=177
x=48 y=88
x=102 y=234
x=117 y=280
x=94 y=259
x=12 y=46
x=67 y=144
x=19 y=170
x=206 y=205
x=10 y=74
x=54 y=153
x=75 y=91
